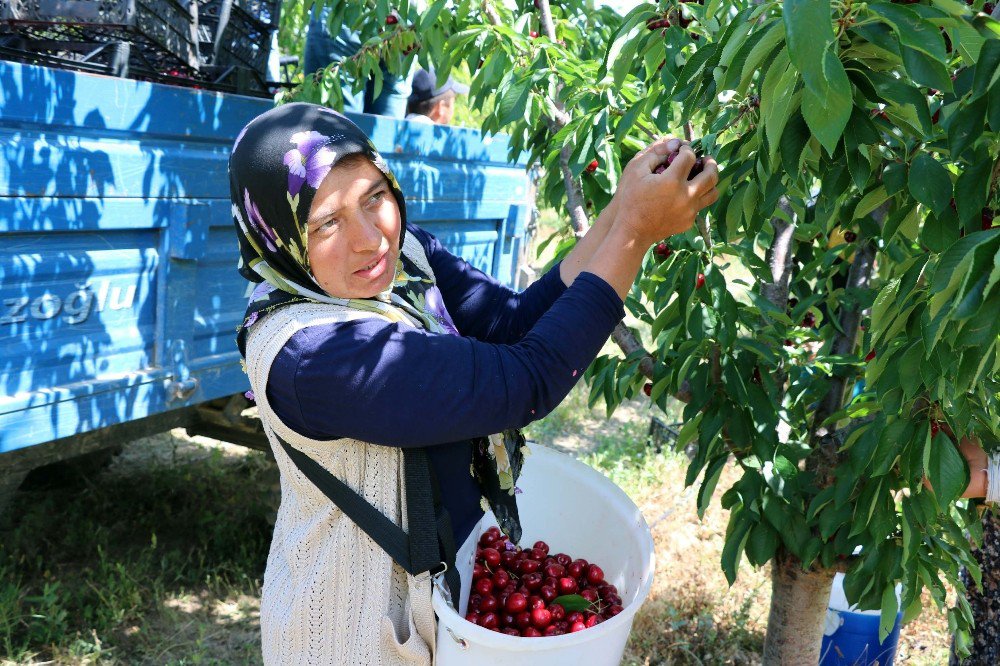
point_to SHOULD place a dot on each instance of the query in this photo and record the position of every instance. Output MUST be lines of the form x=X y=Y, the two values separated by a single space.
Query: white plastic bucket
x=578 y=511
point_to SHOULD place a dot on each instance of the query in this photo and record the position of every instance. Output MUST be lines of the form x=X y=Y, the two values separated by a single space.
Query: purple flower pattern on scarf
x=309 y=161
x=434 y=302
x=259 y=225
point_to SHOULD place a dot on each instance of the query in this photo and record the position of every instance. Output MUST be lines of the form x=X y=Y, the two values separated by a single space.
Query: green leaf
x=833 y=518
x=972 y=187
x=513 y=102
x=688 y=432
x=793 y=140
x=785 y=467
x=955 y=265
x=762 y=543
x=889 y=446
x=993 y=115
x=693 y=65
x=827 y=114
x=871 y=201
x=948 y=473
x=909 y=370
x=777 y=102
x=626 y=122
x=707 y=489
x=890 y=608
x=912 y=30
x=809 y=31
x=894 y=178
x=572 y=602
x=821 y=499
x=966 y=126
x=621 y=54
x=987 y=69
x=906 y=102
x=905 y=220
x=911 y=529
x=930 y=183
x=951 y=6
x=769 y=42
x=430 y=16
x=924 y=70
x=736 y=537
x=736 y=65
x=857 y=160
x=735 y=42
x=970 y=297
x=880 y=35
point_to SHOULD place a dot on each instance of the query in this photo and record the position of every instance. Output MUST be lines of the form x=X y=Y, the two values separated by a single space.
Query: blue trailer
x=119 y=296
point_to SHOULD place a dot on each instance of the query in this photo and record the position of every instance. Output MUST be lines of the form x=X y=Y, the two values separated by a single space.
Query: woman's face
x=353 y=232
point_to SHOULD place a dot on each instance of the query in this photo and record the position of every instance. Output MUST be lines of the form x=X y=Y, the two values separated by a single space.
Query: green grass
x=629 y=461
x=85 y=566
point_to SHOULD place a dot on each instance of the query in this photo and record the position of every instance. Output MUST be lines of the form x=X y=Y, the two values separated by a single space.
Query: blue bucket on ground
x=850 y=636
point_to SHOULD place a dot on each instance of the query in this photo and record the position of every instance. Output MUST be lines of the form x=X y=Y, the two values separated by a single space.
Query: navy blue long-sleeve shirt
x=518 y=356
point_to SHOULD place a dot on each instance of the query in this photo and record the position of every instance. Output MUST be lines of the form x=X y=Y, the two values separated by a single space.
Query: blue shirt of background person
x=322 y=49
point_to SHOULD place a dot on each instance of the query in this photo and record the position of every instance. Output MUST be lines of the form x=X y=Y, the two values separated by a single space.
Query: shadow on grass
x=150 y=566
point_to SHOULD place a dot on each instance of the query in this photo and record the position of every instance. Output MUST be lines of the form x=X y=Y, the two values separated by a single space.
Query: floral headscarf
x=278 y=162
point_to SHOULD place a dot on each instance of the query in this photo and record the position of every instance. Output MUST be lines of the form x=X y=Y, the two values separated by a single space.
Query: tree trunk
x=799 y=601
x=985 y=602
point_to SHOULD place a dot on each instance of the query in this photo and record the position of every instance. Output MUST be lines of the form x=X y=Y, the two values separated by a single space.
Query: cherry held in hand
x=699 y=165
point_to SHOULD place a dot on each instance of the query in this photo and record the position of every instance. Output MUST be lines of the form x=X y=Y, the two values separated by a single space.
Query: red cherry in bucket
x=541 y=618
x=568 y=585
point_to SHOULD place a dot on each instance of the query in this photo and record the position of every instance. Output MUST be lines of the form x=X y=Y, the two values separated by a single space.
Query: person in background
x=322 y=49
x=430 y=103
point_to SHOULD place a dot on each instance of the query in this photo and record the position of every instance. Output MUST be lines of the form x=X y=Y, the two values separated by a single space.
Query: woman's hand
x=654 y=206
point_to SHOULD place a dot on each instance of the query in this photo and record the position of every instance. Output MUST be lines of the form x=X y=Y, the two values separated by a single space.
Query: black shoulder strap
x=446 y=537
x=417 y=552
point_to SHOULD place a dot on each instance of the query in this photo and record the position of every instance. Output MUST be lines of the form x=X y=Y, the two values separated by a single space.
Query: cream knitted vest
x=332 y=595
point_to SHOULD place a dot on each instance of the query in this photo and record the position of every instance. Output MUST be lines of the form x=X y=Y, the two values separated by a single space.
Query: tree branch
x=559 y=118
x=779 y=258
x=846 y=342
x=629 y=344
x=545 y=17
x=826 y=445
x=491 y=14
